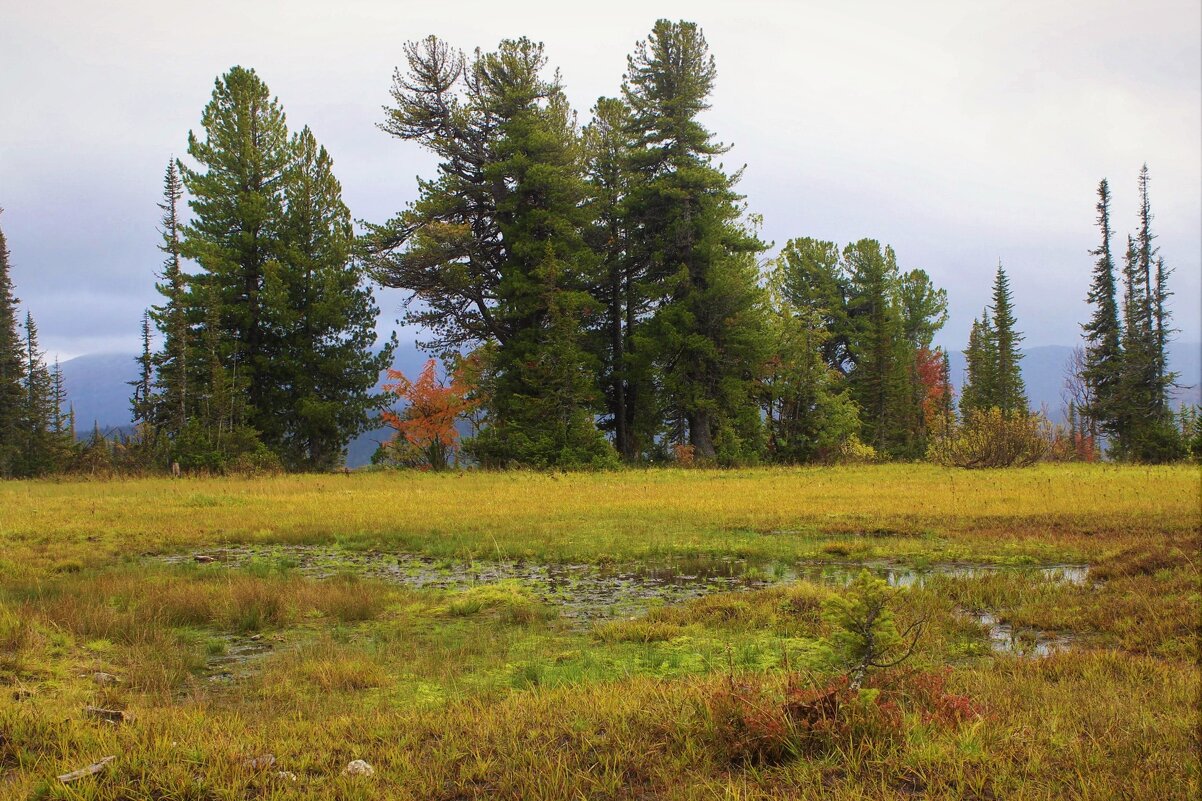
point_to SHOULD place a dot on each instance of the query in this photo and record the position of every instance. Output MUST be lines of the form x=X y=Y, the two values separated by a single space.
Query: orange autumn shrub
x=425 y=430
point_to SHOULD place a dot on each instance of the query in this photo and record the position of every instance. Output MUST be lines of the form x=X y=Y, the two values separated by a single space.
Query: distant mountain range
x=98 y=385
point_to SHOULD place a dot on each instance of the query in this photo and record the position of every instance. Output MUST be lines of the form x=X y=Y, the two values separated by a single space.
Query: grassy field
x=626 y=635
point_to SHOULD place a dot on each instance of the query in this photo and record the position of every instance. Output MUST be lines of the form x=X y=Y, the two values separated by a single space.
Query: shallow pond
x=587 y=592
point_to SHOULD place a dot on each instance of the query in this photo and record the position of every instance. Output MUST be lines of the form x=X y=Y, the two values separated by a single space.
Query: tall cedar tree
x=237 y=200
x=171 y=363
x=12 y=368
x=323 y=316
x=446 y=249
x=689 y=241
x=1103 y=360
x=493 y=251
x=543 y=396
x=623 y=373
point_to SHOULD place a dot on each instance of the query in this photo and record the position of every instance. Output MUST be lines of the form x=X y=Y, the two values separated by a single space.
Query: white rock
x=358 y=767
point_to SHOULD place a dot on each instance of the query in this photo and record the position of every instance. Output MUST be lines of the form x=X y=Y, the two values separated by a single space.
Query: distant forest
x=595 y=294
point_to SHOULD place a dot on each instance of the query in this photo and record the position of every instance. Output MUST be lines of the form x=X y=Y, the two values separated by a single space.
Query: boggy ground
x=627 y=635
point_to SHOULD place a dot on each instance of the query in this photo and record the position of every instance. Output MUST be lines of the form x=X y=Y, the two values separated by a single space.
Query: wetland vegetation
x=632 y=634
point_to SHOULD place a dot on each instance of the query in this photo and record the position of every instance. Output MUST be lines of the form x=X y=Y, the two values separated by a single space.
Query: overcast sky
x=961 y=133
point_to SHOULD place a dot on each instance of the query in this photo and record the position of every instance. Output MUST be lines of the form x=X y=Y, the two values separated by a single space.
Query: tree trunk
x=699 y=435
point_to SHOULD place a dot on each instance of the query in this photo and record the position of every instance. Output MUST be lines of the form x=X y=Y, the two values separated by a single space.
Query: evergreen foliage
x=172 y=407
x=495 y=251
x=599 y=289
x=322 y=314
x=1010 y=394
x=266 y=351
x=1132 y=388
x=43 y=440
x=237 y=200
x=994 y=379
x=705 y=333
x=807 y=409
x=12 y=369
x=1103 y=363
x=875 y=321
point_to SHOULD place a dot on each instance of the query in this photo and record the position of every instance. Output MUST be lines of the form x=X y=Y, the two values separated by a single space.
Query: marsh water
x=585 y=593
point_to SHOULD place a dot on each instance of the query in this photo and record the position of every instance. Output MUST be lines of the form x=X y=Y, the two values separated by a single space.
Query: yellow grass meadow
x=620 y=635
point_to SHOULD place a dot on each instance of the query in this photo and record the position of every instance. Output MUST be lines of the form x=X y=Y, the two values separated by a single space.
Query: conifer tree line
x=598 y=292
x=1125 y=363
x=37 y=432
x=609 y=280
x=265 y=351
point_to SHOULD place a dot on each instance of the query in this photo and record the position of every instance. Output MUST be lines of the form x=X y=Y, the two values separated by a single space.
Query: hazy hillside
x=97 y=385
x=98 y=389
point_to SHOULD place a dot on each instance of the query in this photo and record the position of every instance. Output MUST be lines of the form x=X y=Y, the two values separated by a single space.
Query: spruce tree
x=1009 y=392
x=1143 y=423
x=1103 y=348
x=142 y=401
x=323 y=316
x=707 y=328
x=39 y=446
x=979 y=392
x=12 y=369
x=63 y=415
x=171 y=363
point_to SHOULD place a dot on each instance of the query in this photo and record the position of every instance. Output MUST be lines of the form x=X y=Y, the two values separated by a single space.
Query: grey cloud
x=959 y=132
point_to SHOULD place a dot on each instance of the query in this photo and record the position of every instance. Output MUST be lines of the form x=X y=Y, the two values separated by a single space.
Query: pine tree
x=237 y=202
x=494 y=248
x=12 y=369
x=1010 y=394
x=807 y=409
x=446 y=250
x=543 y=402
x=323 y=315
x=813 y=278
x=707 y=327
x=1103 y=366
